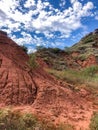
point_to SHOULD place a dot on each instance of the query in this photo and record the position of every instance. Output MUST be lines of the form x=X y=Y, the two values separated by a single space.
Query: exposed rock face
x=16 y=82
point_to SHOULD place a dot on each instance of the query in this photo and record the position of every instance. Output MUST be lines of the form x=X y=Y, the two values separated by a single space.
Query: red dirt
x=37 y=92
x=91 y=60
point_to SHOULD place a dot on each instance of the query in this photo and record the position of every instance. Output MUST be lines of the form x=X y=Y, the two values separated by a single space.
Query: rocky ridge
x=80 y=55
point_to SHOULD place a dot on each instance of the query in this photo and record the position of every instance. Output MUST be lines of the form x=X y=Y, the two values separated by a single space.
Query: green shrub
x=82 y=57
x=90 y=71
x=87 y=39
x=11 y=121
x=87 y=76
x=32 y=61
x=56 y=50
x=41 y=48
x=14 y=120
x=67 y=50
x=94 y=122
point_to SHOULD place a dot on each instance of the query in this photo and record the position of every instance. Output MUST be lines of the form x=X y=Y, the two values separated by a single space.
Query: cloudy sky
x=50 y=23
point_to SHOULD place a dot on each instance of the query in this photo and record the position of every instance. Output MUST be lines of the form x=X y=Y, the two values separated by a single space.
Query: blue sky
x=50 y=23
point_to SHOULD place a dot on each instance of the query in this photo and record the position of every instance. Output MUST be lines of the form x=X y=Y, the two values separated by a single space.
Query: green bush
x=56 y=50
x=32 y=61
x=15 y=121
x=87 y=39
x=41 y=48
x=90 y=71
x=87 y=76
x=94 y=122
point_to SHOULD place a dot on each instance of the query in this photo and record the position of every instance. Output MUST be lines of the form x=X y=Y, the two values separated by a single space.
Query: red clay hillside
x=45 y=96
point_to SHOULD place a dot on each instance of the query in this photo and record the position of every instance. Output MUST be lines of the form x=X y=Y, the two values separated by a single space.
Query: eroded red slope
x=44 y=95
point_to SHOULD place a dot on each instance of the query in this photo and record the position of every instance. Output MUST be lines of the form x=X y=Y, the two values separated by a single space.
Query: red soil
x=37 y=92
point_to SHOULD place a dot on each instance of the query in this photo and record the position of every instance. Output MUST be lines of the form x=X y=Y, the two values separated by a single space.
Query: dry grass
x=88 y=76
x=13 y=120
x=94 y=122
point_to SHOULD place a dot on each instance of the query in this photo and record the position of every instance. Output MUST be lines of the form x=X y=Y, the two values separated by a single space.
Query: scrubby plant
x=87 y=76
x=94 y=122
x=32 y=61
x=88 y=38
x=15 y=120
x=40 y=48
x=68 y=50
x=90 y=71
x=56 y=50
x=11 y=121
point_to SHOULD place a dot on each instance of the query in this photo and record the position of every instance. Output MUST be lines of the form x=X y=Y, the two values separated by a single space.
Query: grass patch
x=94 y=122
x=16 y=121
x=87 y=76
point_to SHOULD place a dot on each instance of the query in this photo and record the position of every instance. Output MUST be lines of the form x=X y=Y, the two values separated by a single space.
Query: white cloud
x=73 y=1
x=31 y=50
x=77 y=6
x=3 y=16
x=62 y=3
x=35 y=17
x=29 y=3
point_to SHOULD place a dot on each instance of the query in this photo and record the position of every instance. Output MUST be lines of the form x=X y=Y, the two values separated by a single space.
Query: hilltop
x=80 y=55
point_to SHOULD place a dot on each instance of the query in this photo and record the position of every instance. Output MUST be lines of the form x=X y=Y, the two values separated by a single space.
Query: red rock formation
x=16 y=83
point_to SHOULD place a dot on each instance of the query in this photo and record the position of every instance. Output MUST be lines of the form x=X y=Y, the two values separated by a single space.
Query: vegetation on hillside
x=94 y=122
x=14 y=120
x=32 y=61
x=87 y=76
x=86 y=46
